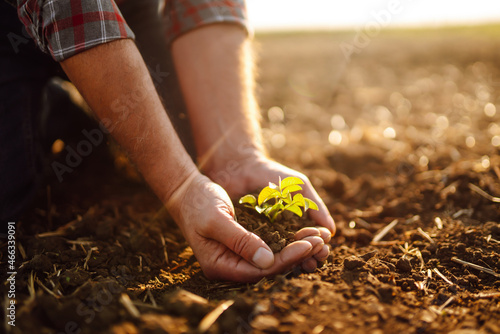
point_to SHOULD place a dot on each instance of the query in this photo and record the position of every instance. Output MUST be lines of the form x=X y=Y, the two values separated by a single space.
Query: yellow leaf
x=299 y=200
x=291 y=189
x=310 y=204
x=266 y=194
x=295 y=209
x=290 y=181
x=248 y=199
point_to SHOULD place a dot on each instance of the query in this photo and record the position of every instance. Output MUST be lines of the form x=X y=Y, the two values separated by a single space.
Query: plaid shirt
x=64 y=28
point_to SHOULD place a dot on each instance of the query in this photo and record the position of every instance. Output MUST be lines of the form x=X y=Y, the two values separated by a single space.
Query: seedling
x=274 y=199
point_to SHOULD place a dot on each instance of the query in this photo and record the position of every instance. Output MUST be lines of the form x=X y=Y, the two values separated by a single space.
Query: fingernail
x=263 y=258
x=316 y=242
x=331 y=222
x=325 y=234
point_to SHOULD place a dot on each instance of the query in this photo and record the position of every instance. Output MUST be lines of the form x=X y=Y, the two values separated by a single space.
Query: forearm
x=115 y=82
x=216 y=75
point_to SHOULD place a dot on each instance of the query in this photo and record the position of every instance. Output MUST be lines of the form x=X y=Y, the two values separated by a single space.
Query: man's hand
x=242 y=175
x=224 y=249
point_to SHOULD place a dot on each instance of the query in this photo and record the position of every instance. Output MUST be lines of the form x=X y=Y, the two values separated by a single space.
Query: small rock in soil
x=403 y=265
x=182 y=302
x=353 y=262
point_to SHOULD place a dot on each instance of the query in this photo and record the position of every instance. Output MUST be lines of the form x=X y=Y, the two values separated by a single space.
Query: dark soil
x=417 y=115
x=277 y=234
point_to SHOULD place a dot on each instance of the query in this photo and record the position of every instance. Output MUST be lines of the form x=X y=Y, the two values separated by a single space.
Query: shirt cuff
x=182 y=16
x=64 y=28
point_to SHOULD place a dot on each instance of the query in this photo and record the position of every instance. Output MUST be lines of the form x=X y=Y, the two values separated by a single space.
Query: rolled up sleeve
x=64 y=28
x=182 y=16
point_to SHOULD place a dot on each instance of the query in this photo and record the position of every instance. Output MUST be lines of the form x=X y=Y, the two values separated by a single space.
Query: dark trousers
x=25 y=123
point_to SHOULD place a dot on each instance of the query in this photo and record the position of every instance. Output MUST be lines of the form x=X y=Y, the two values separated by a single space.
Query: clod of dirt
x=403 y=265
x=386 y=293
x=182 y=302
x=155 y=323
x=265 y=322
x=40 y=263
x=353 y=262
x=73 y=277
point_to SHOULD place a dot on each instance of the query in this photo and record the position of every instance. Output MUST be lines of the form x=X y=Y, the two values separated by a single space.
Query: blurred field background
x=422 y=96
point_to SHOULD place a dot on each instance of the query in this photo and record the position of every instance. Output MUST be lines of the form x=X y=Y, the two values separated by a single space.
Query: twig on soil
x=212 y=317
x=369 y=213
x=446 y=303
x=89 y=254
x=439 y=223
x=424 y=285
x=363 y=223
x=129 y=306
x=61 y=230
x=482 y=295
x=475 y=266
x=164 y=249
x=484 y=193
x=382 y=233
x=171 y=241
x=140 y=263
x=497 y=171
x=261 y=226
x=412 y=220
x=450 y=189
x=151 y=298
x=436 y=270
x=21 y=251
x=46 y=289
x=31 y=285
x=80 y=242
x=386 y=243
x=489 y=238
x=139 y=304
x=425 y=235
x=56 y=272
x=462 y=212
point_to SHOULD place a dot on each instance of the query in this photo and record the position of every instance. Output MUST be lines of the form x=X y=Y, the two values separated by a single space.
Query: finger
x=326 y=235
x=322 y=232
x=309 y=265
x=323 y=253
x=321 y=216
x=317 y=243
x=242 y=242
x=308 y=232
x=234 y=268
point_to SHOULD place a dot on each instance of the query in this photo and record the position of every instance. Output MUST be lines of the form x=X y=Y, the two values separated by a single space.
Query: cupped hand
x=241 y=176
x=224 y=249
x=256 y=173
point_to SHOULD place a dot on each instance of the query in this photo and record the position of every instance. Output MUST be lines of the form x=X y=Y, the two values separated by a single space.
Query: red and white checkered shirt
x=64 y=28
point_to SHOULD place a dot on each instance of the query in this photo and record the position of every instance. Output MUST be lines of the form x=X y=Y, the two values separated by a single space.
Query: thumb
x=242 y=242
